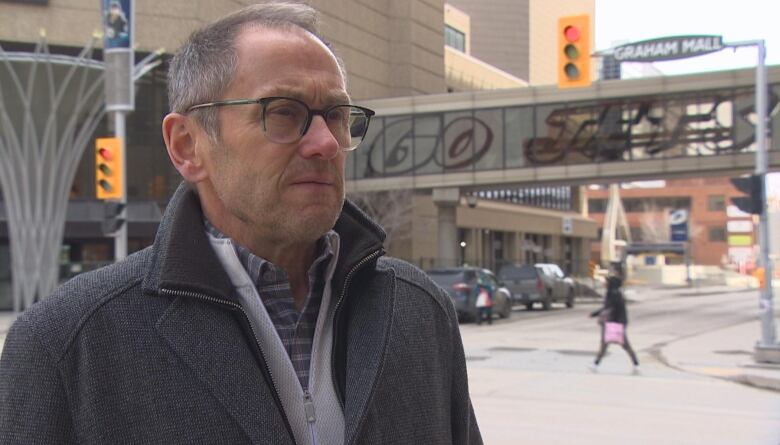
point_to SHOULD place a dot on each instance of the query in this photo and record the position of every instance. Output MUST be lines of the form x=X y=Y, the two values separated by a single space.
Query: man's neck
x=295 y=257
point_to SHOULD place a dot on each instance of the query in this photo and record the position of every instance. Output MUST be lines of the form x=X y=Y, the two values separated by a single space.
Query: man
x=265 y=312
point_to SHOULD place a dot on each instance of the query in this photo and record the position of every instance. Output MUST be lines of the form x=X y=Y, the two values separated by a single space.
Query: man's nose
x=319 y=141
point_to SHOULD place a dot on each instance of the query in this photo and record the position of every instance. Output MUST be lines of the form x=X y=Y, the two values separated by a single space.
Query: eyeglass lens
x=285 y=119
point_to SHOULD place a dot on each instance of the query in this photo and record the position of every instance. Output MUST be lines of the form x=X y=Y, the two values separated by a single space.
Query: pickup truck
x=544 y=283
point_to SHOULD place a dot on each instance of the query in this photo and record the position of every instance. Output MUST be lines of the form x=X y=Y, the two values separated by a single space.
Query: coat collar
x=184 y=260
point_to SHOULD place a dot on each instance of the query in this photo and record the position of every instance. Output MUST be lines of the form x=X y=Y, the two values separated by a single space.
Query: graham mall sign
x=668 y=48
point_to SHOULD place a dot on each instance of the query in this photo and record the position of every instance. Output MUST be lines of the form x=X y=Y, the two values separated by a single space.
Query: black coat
x=614 y=303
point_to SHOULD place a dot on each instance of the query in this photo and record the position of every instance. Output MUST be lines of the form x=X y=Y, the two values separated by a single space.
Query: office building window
x=716 y=203
x=29 y=2
x=597 y=205
x=717 y=234
x=657 y=203
x=454 y=38
x=558 y=198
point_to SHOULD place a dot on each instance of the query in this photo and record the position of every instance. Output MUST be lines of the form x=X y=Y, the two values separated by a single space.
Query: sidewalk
x=724 y=353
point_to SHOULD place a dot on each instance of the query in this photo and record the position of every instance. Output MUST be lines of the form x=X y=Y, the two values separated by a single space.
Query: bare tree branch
x=390 y=209
x=653 y=224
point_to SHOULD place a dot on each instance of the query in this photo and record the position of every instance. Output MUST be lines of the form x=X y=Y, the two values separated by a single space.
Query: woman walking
x=613 y=319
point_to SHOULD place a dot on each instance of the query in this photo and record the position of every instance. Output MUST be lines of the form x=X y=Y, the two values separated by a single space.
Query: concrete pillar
x=447 y=200
x=579 y=200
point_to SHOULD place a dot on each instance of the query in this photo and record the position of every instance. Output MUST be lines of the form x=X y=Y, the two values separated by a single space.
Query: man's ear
x=181 y=136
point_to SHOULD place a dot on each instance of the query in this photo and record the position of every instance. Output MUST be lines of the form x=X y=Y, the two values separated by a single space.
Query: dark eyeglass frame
x=264 y=101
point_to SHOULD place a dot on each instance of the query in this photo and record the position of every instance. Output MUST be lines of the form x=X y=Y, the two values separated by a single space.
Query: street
x=530 y=381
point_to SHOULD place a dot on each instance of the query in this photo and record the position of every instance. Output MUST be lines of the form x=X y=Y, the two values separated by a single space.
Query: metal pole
x=766 y=307
x=688 y=255
x=120 y=237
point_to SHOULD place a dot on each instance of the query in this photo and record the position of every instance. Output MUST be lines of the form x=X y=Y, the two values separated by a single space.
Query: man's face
x=278 y=192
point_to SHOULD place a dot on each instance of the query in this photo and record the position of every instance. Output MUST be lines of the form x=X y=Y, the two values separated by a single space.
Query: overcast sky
x=623 y=21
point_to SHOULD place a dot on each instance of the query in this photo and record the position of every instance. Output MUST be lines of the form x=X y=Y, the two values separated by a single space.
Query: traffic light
x=112 y=217
x=574 y=51
x=752 y=186
x=109 y=180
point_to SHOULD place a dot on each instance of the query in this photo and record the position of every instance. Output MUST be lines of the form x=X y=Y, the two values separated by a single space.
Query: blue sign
x=117 y=24
x=678 y=225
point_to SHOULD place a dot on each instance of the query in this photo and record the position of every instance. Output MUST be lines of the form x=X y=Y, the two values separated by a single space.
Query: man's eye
x=337 y=114
x=284 y=111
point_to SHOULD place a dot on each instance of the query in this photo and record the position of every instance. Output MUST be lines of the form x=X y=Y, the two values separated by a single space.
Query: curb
x=727 y=374
x=757 y=381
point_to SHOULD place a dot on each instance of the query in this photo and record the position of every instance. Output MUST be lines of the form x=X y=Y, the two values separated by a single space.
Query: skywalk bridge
x=618 y=130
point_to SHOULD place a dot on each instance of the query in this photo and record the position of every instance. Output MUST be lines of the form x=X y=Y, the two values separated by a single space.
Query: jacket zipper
x=311 y=418
x=347 y=280
x=257 y=342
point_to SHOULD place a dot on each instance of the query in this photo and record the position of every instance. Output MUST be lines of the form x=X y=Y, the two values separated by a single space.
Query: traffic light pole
x=766 y=306
x=767 y=346
x=120 y=237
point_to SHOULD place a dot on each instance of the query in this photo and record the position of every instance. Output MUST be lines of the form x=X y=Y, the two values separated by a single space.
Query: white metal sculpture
x=50 y=106
x=616 y=233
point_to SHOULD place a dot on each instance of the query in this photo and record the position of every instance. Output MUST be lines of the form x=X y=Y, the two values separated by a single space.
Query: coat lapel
x=204 y=338
x=370 y=321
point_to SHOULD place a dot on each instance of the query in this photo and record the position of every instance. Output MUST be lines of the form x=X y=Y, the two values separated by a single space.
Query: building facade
x=391 y=48
x=719 y=234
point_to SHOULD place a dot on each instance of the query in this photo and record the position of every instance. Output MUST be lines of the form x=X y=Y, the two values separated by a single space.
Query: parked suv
x=543 y=282
x=464 y=283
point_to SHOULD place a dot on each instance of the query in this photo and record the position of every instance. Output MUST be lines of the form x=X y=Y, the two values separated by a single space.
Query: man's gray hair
x=205 y=65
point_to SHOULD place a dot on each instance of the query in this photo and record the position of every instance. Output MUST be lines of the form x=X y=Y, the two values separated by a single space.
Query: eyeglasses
x=286 y=120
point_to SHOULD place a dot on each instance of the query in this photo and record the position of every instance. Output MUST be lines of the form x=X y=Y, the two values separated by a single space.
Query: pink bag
x=484 y=300
x=614 y=332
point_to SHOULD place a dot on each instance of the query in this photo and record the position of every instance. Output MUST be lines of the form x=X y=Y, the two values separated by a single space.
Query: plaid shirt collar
x=296 y=328
x=264 y=273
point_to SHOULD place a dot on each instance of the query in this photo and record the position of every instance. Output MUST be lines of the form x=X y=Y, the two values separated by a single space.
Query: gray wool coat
x=154 y=349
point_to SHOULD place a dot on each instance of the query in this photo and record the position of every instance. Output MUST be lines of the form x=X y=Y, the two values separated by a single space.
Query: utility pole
x=118 y=28
x=120 y=237
x=767 y=349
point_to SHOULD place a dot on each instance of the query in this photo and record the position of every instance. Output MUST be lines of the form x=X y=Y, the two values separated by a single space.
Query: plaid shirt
x=295 y=329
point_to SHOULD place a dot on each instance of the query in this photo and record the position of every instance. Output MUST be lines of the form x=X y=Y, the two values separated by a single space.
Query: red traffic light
x=574 y=40
x=109 y=174
x=572 y=33
x=105 y=154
